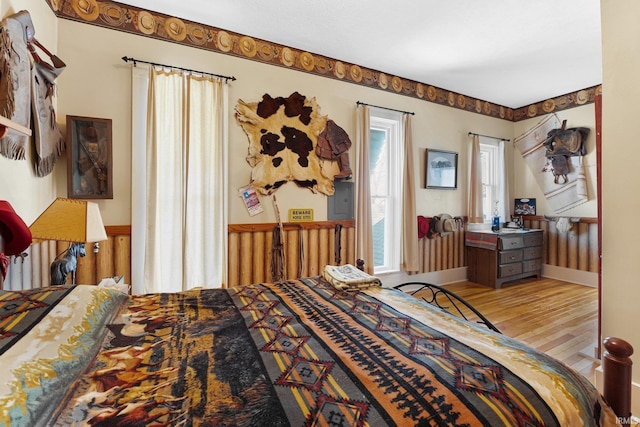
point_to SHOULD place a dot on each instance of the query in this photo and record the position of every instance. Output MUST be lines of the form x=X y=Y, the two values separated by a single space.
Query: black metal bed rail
x=451 y=297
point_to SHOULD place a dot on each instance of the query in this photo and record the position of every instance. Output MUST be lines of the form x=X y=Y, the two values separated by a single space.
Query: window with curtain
x=178 y=183
x=493 y=180
x=385 y=172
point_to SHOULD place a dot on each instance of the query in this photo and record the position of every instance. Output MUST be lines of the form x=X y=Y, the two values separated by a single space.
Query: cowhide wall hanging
x=289 y=140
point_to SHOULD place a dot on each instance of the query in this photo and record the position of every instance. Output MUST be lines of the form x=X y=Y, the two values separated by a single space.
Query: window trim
x=391 y=123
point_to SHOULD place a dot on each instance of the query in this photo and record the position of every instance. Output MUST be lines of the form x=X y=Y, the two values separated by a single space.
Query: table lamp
x=69 y=220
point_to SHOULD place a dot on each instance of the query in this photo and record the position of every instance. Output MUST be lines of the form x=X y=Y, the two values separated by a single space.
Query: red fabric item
x=423 y=226
x=15 y=233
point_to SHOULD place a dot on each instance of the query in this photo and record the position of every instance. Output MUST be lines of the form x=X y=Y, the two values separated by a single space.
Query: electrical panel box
x=340 y=205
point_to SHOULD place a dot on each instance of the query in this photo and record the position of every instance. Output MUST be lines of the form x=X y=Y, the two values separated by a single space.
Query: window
x=492 y=163
x=386 y=189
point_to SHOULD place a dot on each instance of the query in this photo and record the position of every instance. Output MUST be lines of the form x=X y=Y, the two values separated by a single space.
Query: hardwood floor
x=556 y=317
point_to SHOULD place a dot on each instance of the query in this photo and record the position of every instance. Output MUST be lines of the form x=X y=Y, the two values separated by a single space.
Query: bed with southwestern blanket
x=293 y=353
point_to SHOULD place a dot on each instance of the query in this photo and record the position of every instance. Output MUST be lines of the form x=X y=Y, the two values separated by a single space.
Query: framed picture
x=442 y=169
x=525 y=207
x=89 y=158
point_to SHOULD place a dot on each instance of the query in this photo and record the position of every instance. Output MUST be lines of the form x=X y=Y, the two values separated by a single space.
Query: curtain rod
x=487 y=136
x=385 y=108
x=135 y=61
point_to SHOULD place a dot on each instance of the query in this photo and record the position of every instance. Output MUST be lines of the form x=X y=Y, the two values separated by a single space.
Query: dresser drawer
x=511 y=242
x=531 y=265
x=532 y=253
x=507 y=257
x=510 y=269
x=533 y=239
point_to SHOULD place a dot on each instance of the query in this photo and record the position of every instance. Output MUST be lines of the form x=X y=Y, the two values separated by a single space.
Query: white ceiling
x=509 y=52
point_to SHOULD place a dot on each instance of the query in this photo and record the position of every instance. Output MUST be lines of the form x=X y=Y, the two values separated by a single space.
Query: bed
x=293 y=353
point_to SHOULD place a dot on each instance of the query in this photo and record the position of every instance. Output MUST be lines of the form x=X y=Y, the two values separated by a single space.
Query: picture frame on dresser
x=441 y=169
x=89 y=158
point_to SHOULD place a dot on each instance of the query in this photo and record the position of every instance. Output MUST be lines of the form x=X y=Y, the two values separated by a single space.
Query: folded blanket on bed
x=349 y=278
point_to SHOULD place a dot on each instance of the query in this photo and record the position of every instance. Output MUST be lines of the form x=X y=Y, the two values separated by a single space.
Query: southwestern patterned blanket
x=294 y=353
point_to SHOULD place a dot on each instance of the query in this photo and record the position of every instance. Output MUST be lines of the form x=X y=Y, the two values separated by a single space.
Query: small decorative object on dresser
x=507 y=256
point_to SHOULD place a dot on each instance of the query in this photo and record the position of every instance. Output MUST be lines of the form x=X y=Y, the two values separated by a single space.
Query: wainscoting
x=307 y=248
x=113 y=259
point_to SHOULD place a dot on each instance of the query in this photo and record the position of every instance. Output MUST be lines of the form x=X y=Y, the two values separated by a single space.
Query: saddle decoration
x=560 y=144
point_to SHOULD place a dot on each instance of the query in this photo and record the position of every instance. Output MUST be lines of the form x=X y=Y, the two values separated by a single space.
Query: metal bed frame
x=435 y=291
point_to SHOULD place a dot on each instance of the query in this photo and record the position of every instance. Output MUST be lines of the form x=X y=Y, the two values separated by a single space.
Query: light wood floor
x=556 y=317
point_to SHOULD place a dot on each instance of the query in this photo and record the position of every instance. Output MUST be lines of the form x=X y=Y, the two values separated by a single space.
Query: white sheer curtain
x=409 y=217
x=364 y=226
x=503 y=192
x=178 y=181
x=475 y=182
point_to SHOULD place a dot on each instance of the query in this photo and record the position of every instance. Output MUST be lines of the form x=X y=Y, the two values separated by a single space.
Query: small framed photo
x=442 y=169
x=89 y=158
x=525 y=207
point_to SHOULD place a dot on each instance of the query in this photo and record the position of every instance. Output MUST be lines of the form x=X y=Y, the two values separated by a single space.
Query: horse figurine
x=67 y=263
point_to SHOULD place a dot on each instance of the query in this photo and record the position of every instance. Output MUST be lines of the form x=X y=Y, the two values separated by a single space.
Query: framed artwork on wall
x=89 y=158
x=442 y=169
x=524 y=206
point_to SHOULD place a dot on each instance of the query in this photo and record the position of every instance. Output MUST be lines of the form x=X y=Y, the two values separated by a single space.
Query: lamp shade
x=71 y=221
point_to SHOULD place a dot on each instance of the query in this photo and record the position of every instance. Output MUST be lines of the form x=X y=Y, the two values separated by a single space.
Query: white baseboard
x=442 y=277
x=585 y=278
x=454 y=275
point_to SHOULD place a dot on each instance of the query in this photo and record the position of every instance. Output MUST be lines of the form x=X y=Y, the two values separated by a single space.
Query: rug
x=561 y=197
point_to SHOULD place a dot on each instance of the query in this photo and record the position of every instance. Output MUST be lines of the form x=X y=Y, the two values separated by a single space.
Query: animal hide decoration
x=283 y=139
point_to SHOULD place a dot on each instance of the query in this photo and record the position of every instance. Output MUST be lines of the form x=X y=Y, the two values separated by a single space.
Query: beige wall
x=620 y=171
x=97 y=83
x=19 y=185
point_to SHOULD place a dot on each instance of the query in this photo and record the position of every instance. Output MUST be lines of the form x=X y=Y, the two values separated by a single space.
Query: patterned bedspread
x=299 y=353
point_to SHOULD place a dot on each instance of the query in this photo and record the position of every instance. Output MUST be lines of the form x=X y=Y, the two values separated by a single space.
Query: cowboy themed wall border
x=442 y=169
x=89 y=158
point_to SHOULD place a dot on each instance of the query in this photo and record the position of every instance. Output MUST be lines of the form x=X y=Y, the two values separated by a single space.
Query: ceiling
x=509 y=52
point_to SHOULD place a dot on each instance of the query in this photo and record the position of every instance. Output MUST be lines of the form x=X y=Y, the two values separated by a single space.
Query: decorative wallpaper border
x=129 y=19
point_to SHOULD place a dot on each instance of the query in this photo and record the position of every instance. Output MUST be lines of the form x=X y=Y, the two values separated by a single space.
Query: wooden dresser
x=497 y=258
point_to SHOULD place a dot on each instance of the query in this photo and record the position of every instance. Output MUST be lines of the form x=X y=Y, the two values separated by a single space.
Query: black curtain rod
x=487 y=136
x=386 y=108
x=135 y=61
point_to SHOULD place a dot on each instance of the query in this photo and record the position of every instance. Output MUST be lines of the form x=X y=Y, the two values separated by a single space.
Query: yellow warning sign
x=300 y=215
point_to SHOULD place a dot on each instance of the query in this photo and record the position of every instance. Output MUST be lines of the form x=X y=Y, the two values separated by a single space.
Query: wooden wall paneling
x=583 y=246
x=122 y=257
x=326 y=257
x=39 y=276
x=433 y=248
x=246 y=251
x=561 y=250
x=233 y=262
x=349 y=248
x=258 y=258
x=311 y=243
x=292 y=259
x=552 y=244
x=104 y=257
x=268 y=249
x=572 y=247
